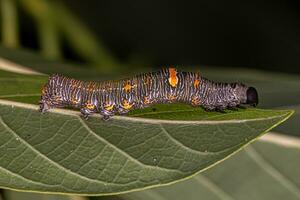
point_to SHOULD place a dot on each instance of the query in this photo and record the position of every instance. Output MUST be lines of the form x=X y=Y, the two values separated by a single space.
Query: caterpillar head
x=252 y=96
x=245 y=95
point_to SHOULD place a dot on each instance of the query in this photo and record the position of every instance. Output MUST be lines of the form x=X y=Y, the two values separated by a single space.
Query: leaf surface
x=264 y=170
x=59 y=152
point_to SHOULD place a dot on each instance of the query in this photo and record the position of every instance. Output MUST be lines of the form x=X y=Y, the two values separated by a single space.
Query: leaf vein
x=49 y=160
x=29 y=180
x=124 y=153
x=181 y=144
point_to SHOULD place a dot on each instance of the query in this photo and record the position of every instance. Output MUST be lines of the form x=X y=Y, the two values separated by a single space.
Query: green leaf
x=59 y=152
x=268 y=169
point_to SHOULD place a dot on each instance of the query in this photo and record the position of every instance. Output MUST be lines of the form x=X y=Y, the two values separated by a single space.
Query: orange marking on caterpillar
x=126 y=105
x=108 y=107
x=173 y=79
x=172 y=97
x=90 y=106
x=148 y=80
x=127 y=87
x=146 y=100
x=195 y=101
x=196 y=83
x=74 y=101
x=57 y=98
x=91 y=86
x=44 y=90
x=75 y=84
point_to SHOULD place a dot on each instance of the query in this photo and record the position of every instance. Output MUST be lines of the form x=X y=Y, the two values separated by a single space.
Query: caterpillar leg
x=43 y=107
x=87 y=109
x=211 y=108
x=47 y=103
x=123 y=111
x=241 y=106
x=85 y=113
x=106 y=117
x=234 y=108
x=107 y=113
x=220 y=109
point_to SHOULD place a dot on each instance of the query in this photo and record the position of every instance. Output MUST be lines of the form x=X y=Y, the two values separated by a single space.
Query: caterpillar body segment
x=164 y=86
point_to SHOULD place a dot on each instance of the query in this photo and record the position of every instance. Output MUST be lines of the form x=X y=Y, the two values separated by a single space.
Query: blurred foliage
x=9 y=23
x=54 y=22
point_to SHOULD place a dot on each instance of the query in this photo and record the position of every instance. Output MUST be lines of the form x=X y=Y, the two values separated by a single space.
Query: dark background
x=253 y=34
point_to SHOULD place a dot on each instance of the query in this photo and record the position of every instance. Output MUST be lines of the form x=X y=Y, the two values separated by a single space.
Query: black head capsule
x=252 y=96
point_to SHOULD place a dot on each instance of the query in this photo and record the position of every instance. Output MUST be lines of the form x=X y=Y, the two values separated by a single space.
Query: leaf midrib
x=144 y=120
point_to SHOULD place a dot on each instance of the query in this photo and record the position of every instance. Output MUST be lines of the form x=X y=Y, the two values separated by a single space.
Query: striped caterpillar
x=164 y=86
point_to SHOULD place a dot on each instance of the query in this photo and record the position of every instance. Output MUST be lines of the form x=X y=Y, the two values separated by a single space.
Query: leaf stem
x=43 y=14
x=83 y=41
x=10 y=28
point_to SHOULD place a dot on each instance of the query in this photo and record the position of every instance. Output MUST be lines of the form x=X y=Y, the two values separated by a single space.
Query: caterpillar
x=165 y=86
